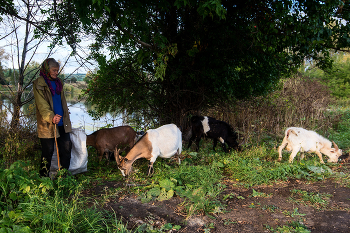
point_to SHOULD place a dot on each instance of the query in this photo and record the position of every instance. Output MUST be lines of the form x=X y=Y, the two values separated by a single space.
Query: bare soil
x=244 y=212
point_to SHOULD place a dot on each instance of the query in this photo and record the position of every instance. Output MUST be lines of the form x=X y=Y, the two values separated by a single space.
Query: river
x=79 y=116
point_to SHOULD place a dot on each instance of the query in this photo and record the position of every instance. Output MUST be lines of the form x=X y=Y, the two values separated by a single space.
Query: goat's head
x=232 y=143
x=334 y=153
x=124 y=164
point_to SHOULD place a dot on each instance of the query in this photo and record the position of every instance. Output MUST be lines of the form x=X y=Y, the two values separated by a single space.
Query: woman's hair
x=52 y=63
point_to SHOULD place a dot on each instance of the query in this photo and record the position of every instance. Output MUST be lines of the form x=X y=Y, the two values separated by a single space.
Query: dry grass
x=300 y=102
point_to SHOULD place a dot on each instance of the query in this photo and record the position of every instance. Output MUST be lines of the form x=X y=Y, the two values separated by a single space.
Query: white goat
x=299 y=139
x=163 y=142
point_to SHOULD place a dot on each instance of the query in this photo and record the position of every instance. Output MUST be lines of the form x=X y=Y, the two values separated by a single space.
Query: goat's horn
x=335 y=146
x=116 y=155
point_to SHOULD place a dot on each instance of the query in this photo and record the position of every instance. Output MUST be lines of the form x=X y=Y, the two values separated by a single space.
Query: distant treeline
x=7 y=75
x=78 y=77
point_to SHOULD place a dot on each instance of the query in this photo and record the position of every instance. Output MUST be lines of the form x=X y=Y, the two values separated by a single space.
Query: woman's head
x=51 y=67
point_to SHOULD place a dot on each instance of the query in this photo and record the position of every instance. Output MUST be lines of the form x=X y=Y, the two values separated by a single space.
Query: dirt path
x=257 y=209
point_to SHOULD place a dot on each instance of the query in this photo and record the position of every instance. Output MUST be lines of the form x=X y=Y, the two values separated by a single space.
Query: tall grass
x=259 y=166
x=21 y=143
x=29 y=203
x=299 y=101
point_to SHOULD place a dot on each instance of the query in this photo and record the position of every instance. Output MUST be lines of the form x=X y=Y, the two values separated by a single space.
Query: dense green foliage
x=32 y=204
x=7 y=7
x=337 y=78
x=173 y=57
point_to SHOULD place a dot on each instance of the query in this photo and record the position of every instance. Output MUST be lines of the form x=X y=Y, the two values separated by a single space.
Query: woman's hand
x=56 y=119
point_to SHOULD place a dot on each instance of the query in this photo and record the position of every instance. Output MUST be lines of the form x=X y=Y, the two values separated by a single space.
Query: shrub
x=299 y=101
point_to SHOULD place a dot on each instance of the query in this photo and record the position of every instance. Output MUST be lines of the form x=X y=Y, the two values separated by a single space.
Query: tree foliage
x=337 y=78
x=6 y=7
x=175 y=56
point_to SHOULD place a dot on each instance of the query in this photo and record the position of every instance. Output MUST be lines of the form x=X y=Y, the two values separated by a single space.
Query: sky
x=61 y=54
x=12 y=42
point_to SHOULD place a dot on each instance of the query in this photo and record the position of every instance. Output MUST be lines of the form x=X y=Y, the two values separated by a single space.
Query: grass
x=317 y=200
x=292 y=227
x=258 y=165
x=29 y=203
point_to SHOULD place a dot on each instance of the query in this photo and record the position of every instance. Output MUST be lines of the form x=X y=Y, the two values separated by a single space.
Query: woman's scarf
x=45 y=73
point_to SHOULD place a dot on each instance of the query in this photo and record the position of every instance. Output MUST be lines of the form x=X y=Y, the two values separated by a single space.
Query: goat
x=108 y=139
x=299 y=139
x=204 y=126
x=163 y=142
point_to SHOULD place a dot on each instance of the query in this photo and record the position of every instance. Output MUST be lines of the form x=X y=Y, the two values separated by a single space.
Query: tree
x=336 y=78
x=88 y=76
x=24 y=45
x=173 y=57
x=3 y=57
x=6 y=7
x=73 y=80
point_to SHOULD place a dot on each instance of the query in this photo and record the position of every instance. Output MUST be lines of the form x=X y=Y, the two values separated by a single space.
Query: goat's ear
x=292 y=131
x=335 y=145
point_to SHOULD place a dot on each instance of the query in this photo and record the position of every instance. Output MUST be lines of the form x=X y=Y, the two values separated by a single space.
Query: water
x=80 y=118
x=78 y=115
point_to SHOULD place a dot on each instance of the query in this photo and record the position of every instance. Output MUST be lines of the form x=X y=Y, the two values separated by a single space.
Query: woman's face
x=54 y=72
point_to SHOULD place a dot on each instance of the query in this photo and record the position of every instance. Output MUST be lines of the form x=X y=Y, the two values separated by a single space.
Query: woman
x=52 y=112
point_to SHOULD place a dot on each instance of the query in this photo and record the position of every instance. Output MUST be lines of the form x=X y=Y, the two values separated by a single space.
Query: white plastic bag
x=79 y=155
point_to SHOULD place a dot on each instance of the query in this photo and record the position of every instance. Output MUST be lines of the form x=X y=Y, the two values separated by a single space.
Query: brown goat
x=108 y=139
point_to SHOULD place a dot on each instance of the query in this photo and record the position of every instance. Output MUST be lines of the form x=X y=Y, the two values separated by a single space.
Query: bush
x=299 y=102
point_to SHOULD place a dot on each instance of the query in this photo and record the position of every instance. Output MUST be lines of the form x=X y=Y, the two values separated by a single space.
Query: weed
x=316 y=200
x=252 y=205
x=260 y=194
x=208 y=227
x=231 y=196
x=293 y=227
x=198 y=185
x=270 y=208
x=293 y=214
x=229 y=222
x=251 y=168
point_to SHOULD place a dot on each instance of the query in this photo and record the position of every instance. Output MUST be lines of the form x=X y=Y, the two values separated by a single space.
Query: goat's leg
x=197 y=143
x=178 y=157
x=280 y=148
x=191 y=140
x=224 y=147
x=101 y=152
x=150 y=169
x=320 y=156
x=223 y=144
x=215 y=141
x=293 y=154
x=301 y=155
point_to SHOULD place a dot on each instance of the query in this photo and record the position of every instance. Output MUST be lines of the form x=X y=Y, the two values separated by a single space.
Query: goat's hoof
x=150 y=171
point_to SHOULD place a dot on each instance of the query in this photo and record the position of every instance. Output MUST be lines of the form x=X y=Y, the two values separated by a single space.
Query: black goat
x=204 y=126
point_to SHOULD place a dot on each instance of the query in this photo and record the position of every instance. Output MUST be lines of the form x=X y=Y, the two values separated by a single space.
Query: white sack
x=79 y=155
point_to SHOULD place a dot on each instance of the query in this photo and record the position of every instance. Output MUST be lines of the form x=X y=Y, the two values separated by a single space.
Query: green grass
x=259 y=165
x=292 y=227
x=29 y=203
x=317 y=200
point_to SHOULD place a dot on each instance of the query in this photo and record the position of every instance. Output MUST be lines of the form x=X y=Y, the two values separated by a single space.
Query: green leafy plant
x=270 y=208
x=292 y=227
x=316 y=200
x=260 y=194
x=293 y=214
x=251 y=168
x=162 y=191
